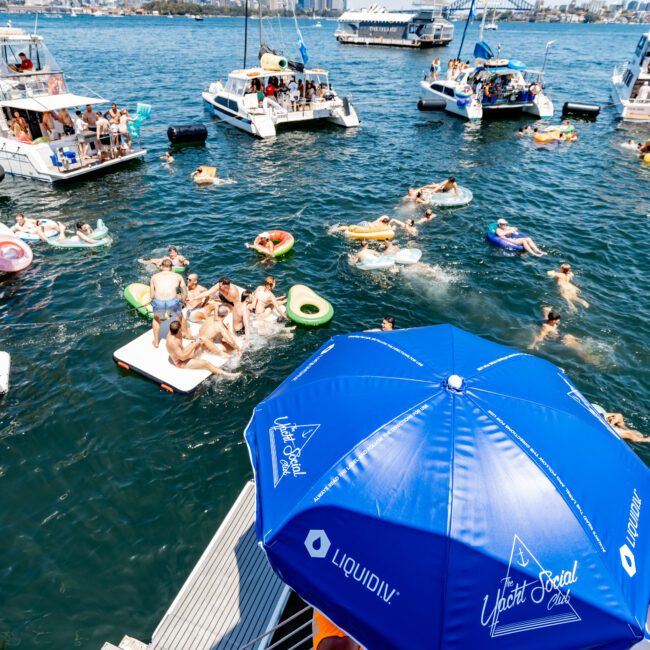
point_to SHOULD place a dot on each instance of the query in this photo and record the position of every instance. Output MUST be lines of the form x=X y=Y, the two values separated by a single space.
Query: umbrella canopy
x=427 y=488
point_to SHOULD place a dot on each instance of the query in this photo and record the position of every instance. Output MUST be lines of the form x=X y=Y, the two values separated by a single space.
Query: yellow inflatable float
x=204 y=175
x=553 y=136
x=369 y=232
x=646 y=158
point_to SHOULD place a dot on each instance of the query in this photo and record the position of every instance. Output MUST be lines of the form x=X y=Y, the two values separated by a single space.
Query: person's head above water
x=388 y=323
x=385 y=219
x=502 y=222
x=81 y=225
x=451 y=179
x=269 y=282
x=175 y=327
x=264 y=236
x=565 y=268
x=553 y=317
x=364 y=243
x=172 y=251
x=410 y=222
x=166 y=264
x=428 y=213
x=20 y=219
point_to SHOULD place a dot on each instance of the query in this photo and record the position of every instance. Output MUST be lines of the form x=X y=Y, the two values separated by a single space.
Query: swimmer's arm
x=85 y=237
x=397 y=221
x=277 y=306
x=187 y=352
x=543 y=333
x=207 y=293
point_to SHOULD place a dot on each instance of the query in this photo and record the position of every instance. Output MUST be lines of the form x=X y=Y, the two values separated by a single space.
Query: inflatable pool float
x=180 y=269
x=646 y=158
x=137 y=295
x=376 y=263
x=559 y=128
x=282 y=243
x=99 y=234
x=449 y=199
x=15 y=254
x=362 y=231
x=5 y=366
x=207 y=176
x=554 y=136
x=501 y=242
x=407 y=256
x=306 y=307
x=6 y=230
x=47 y=224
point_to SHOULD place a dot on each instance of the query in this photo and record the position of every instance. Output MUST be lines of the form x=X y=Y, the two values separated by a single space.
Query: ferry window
x=629 y=77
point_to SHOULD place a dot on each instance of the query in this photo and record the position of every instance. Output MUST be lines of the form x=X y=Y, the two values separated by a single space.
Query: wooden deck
x=230 y=598
x=232 y=595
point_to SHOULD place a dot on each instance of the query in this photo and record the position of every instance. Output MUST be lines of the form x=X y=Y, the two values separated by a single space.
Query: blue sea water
x=109 y=487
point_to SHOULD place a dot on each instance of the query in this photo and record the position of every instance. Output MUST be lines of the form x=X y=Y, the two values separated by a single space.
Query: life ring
x=55 y=85
x=535 y=89
x=369 y=232
x=318 y=70
x=502 y=242
x=15 y=254
x=496 y=63
x=306 y=307
x=282 y=242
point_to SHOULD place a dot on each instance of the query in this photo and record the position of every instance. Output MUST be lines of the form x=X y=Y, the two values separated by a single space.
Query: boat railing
x=292 y=637
x=33 y=84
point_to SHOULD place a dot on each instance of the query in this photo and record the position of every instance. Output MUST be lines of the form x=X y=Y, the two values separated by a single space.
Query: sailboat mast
x=485 y=10
x=259 y=4
x=245 y=31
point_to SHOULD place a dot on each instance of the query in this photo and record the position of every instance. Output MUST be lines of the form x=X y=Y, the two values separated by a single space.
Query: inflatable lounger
x=141 y=357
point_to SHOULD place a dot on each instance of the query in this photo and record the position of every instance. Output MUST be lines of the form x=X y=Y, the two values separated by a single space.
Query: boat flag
x=303 y=49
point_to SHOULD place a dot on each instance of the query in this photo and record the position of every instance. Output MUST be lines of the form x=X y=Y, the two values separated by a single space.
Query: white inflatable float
x=141 y=357
x=5 y=366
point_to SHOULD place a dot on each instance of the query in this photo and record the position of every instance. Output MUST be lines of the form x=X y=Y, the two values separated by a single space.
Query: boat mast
x=485 y=10
x=259 y=4
x=469 y=17
x=245 y=31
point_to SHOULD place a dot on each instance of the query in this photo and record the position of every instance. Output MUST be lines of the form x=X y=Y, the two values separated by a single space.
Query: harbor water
x=110 y=488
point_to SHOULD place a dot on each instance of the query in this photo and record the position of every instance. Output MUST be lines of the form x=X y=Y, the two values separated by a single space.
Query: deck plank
x=230 y=595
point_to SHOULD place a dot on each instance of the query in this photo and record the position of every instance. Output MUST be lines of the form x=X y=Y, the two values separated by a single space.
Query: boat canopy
x=51 y=102
x=260 y=73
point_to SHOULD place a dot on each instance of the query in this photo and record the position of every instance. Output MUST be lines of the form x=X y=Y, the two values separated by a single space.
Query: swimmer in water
x=408 y=225
x=428 y=216
x=177 y=259
x=384 y=220
x=549 y=328
x=415 y=196
x=83 y=232
x=568 y=290
x=617 y=421
x=263 y=244
x=167 y=158
x=388 y=324
x=364 y=253
x=448 y=185
x=512 y=234
x=390 y=247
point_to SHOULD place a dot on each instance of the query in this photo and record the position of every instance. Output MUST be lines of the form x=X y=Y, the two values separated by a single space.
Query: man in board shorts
x=164 y=287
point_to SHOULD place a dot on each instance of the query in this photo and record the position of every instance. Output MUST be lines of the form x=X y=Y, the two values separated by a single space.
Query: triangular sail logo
x=529 y=597
x=287 y=441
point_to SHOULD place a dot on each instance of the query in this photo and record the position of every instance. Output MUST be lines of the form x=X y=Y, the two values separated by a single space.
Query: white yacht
x=492 y=85
x=237 y=103
x=631 y=84
x=32 y=84
x=417 y=28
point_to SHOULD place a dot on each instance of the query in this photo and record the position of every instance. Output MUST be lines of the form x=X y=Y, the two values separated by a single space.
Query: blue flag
x=303 y=48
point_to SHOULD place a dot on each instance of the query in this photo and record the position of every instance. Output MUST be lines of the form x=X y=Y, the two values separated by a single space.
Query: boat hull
x=351 y=39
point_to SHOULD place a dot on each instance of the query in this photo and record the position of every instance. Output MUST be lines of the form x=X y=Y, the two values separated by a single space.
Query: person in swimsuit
x=47 y=124
x=176 y=258
x=512 y=234
x=263 y=244
x=193 y=305
x=25 y=225
x=549 y=328
x=408 y=225
x=414 y=195
x=327 y=636
x=568 y=290
x=66 y=121
x=388 y=324
x=264 y=299
x=164 y=287
x=186 y=357
x=124 y=120
x=83 y=232
x=167 y=158
x=364 y=253
x=214 y=331
x=428 y=216
x=617 y=421
x=241 y=314
x=448 y=185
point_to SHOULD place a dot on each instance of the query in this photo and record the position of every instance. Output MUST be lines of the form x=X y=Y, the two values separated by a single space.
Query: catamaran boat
x=631 y=84
x=30 y=86
x=492 y=86
x=238 y=103
x=417 y=28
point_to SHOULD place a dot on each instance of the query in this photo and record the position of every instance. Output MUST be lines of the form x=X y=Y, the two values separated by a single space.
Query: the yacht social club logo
x=529 y=596
x=287 y=441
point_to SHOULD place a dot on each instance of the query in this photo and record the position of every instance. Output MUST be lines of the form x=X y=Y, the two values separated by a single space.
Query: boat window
x=449 y=91
x=640 y=45
x=629 y=78
x=236 y=86
x=439 y=87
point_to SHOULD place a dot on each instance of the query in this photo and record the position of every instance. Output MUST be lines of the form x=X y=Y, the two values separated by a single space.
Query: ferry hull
x=351 y=39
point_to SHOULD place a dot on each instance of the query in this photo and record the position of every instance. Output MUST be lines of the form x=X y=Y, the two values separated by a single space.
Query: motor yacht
x=631 y=84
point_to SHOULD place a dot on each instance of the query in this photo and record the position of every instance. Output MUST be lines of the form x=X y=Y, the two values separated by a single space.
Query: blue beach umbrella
x=427 y=488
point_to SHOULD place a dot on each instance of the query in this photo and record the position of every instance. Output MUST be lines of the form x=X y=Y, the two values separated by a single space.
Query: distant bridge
x=500 y=5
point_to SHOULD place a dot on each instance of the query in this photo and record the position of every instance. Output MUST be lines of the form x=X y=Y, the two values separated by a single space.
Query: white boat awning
x=51 y=102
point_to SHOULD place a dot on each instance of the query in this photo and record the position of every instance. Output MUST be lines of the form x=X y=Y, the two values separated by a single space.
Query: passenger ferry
x=491 y=86
x=631 y=84
x=30 y=86
x=244 y=103
x=418 y=28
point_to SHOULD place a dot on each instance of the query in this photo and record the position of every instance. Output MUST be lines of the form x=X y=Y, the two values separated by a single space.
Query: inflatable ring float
x=306 y=307
x=369 y=232
x=449 y=199
x=137 y=295
x=47 y=225
x=99 y=234
x=282 y=242
x=55 y=85
x=502 y=242
x=15 y=254
x=646 y=158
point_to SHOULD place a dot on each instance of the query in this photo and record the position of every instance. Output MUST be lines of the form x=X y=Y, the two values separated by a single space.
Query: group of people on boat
x=104 y=135
x=290 y=93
